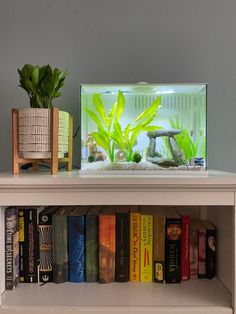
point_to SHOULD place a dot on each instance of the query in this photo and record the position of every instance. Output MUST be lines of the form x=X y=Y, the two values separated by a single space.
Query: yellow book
x=134 y=247
x=146 y=265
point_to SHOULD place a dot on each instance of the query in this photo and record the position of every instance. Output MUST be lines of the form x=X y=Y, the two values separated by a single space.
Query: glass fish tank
x=143 y=127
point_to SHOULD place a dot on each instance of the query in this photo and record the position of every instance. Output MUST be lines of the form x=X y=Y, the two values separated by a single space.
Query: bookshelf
x=211 y=196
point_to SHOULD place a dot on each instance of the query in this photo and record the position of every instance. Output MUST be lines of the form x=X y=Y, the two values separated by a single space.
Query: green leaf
x=117 y=135
x=111 y=115
x=101 y=140
x=150 y=128
x=100 y=108
x=149 y=111
x=120 y=106
x=35 y=75
x=94 y=117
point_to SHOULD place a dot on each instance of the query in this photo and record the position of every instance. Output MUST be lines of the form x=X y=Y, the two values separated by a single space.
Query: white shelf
x=199 y=293
x=217 y=190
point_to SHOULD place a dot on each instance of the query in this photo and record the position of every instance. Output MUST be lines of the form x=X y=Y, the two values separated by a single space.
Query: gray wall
x=124 y=41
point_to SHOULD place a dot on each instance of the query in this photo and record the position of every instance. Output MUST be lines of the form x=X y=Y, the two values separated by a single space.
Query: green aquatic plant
x=109 y=131
x=184 y=140
x=137 y=157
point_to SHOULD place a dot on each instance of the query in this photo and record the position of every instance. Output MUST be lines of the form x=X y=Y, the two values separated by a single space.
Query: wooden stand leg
x=70 y=145
x=35 y=166
x=15 y=142
x=54 y=140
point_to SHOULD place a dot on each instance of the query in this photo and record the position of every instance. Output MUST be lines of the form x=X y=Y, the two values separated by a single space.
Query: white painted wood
x=194 y=293
x=215 y=194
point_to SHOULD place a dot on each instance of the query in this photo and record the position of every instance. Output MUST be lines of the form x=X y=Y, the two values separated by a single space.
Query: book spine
x=31 y=245
x=146 y=266
x=185 y=248
x=122 y=247
x=134 y=247
x=202 y=253
x=9 y=230
x=91 y=248
x=173 y=250
x=210 y=253
x=159 y=248
x=45 y=248
x=193 y=253
x=21 y=245
x=76 y=248
x=59 y=248
x=107 y=247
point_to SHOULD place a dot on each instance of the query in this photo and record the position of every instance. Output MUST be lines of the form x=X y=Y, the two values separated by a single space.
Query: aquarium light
x=164 y=92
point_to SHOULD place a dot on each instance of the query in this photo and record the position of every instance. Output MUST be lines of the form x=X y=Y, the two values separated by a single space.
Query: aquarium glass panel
x=156 y=127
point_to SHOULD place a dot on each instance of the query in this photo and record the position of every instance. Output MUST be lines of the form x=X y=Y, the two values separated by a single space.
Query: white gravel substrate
x=143 y=165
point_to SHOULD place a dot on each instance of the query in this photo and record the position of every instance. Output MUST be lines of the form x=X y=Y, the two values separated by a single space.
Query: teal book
x=60 y=244
x=92 y=247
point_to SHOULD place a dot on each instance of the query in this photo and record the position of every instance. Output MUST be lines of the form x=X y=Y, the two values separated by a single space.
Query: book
x=185 y=247
x=21 y=221
x=76 y=244
x=107 y=245
x=158 y=245
x=194 y=227
x=31 y=244
x=146 y=232
x=202 y=250
x=210 y=250
x=122 y=245
x=45 y=244
x=172 y=246
x=91 y=245
x=60 y=244
x=134 y=266
x=11 y=248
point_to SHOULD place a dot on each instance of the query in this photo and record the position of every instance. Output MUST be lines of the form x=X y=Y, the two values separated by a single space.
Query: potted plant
x=42 y=85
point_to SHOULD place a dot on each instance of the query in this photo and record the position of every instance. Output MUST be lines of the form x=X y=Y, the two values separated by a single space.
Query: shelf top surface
x=75 y=178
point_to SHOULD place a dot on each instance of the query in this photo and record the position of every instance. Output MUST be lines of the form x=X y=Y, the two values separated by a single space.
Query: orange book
x=134 y=246
x=107 y=247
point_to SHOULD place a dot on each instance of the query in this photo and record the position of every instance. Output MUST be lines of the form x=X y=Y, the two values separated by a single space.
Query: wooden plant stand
x=54 y=160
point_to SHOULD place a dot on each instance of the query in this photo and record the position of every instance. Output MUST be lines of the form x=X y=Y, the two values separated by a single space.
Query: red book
x=185 y=248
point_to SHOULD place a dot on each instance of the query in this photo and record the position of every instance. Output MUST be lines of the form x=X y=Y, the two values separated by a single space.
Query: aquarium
x=143 y=127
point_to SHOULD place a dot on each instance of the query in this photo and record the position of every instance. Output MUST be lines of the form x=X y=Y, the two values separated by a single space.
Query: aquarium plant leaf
x=150 y=111
x=120 y=106
x=117 y=136
x=101 y=140
x=94 y=117
x=100 y=107
x=111 y=115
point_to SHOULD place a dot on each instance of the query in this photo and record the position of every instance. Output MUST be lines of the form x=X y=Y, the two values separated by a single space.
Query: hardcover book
x=107 y=246
x=172 y=246
x=31 y=244
x=92 y=269
x=146 y=265
x=210 y=250
x=185 y=248
x=194 y=227
x=122 y=246
x=76 y=244
x=60 y=244
x=11 y=248
x=159 y=245
x=135 y=225
x=21 y=217
x=202 y=250
x=45 y=244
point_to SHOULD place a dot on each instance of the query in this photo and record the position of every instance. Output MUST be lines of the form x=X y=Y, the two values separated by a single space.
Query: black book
x=21 y=215
x=11 y=248
x=45 y=244
x=210 y=250
x=31 y=244
x=172 y=246
x=122 y=246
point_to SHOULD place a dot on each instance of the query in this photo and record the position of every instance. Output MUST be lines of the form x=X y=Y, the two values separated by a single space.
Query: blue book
x=76 y=245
